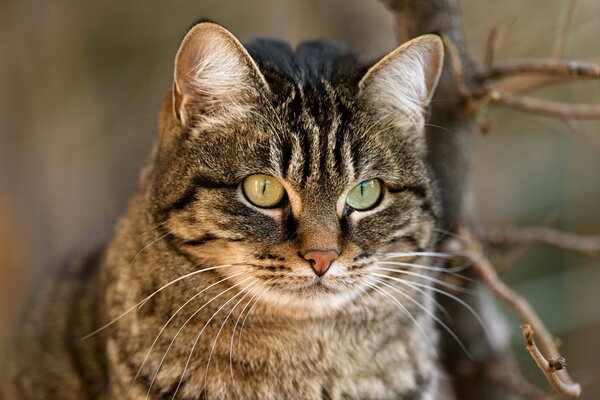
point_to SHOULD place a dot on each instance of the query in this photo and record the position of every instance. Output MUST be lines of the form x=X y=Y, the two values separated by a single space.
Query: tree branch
x=457 y=69
x=550 y=366
x=566 y=18
x=565 y=111
x=524 y=83
x=449 y=136
x=588 y=245
x=533 y=105
x=547 y=66
x=470 y=248
x=485 y=93
x=508 y=374
x=463 y=87
x=494 y=42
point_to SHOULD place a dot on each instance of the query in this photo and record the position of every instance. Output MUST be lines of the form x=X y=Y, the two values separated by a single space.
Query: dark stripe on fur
x=407 y=238
x=422 y=384
x=307 y=157
x=325 y=393
x=286 y=156
x=427 y=208
x=268 y=256
x=343 y=135
x=173 y=242
x=345 y=227
x=417 y=190
x=290 y=224
x=189 y=196
x=356 y=158
x=337 y=153
x=208 y=237
x=325 y=123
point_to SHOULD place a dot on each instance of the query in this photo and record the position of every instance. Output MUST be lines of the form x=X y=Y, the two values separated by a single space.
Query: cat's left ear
x=215 y=77
x=405 y=79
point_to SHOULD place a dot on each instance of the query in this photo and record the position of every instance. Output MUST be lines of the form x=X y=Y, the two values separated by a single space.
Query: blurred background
x=81 y=84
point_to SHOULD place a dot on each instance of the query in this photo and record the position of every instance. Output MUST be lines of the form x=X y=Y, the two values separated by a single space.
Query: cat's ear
x=406 y=78
x=215 y=77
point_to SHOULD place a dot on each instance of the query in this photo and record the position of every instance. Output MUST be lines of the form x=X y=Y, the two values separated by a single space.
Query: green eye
x=263 y=190
x=365 y=195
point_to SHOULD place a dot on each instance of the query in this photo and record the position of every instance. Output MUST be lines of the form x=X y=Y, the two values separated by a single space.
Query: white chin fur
x=311 y=301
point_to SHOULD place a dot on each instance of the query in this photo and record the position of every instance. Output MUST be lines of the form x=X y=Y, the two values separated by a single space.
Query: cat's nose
x=320 y=260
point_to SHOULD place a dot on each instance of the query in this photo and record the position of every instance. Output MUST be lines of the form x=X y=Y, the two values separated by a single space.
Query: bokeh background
x=81 y=84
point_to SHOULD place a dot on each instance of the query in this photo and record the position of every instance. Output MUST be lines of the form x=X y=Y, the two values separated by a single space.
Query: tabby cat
x=277 y=245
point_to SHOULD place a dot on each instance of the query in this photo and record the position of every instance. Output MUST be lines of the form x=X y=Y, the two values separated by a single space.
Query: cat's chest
x=378 y=359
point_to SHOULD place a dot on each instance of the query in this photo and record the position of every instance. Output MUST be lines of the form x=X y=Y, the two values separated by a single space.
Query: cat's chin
x=316 y=299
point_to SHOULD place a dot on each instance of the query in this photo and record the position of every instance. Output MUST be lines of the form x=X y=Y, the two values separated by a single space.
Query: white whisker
x=263 y=285
x=223 y=324
x=451 y=234
x=161 y=237
x=419 y=254
x=427 y=311
x=428 y=267
x=171 y=318
x=181 y=328
x=431 y=297
x=145 y=299
x=440 y=127
x=429 y=278
x=457 y=299
x=187 y=363
x=154 y=227
x=248 y=313
x=405 y=311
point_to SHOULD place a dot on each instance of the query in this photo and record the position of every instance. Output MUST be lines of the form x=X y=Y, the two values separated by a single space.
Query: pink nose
x=320 y=260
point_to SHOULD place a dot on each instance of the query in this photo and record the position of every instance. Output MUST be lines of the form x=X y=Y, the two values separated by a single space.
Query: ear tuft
x=214 y=76
x=405 y=79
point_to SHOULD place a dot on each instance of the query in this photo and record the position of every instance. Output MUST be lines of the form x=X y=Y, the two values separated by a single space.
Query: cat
x=277 y=244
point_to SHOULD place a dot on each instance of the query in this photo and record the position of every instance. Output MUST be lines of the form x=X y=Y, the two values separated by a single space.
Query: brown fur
x=296 y=336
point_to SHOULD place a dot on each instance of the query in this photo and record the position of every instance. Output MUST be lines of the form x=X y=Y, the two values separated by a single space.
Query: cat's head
x=295 y=170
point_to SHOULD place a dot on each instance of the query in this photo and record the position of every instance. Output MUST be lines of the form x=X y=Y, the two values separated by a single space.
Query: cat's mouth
x=313 y=296
x=319 y=285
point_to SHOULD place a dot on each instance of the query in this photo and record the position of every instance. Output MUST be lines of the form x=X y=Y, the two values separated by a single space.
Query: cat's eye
x=365 y=195
x=263 y=191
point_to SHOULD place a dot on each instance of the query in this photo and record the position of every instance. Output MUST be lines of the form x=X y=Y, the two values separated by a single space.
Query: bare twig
x=494 y=43
x=550 y=367
x=457 y=69
x=471 y=249
x=588 y=245
x=565 y=111
x=566 y=18
x=508 y=375
x=516 y=253
x=546 y=66
x=524 y=83
x=481 y=95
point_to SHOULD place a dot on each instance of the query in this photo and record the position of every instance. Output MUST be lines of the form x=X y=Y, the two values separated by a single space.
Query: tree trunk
x=450 y=141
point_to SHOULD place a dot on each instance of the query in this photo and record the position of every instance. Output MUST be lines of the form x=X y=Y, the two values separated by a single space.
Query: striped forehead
x=316 y=145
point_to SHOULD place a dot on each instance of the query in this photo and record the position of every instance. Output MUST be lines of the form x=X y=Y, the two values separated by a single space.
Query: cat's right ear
x=215 y=77
x=404 y=80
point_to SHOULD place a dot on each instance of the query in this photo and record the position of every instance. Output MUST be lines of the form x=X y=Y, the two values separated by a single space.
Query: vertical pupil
x=264 y=186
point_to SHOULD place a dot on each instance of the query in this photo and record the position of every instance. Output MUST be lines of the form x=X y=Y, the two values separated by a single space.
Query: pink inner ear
x=213 y=74
x=406 y=78
x=176 y=99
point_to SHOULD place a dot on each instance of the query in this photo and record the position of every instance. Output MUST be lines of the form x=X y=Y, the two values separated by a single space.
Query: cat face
x=295 y=171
